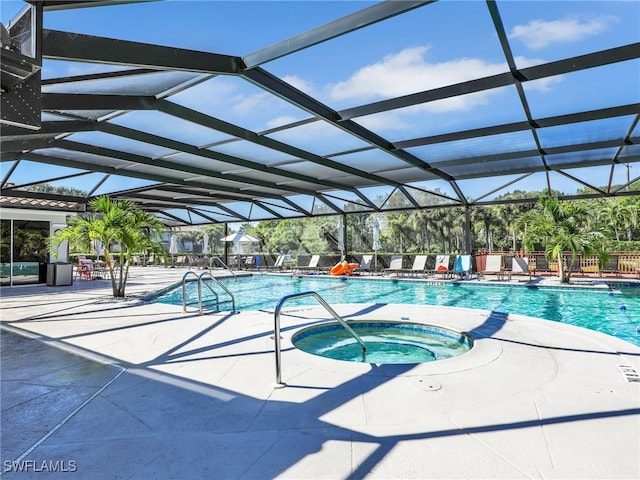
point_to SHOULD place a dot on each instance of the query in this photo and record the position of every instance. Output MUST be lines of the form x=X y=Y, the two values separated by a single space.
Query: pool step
x=629 y=373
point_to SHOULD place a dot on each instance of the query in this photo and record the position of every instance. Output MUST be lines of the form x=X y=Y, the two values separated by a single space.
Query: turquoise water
x=615 y=313
x=386 y=342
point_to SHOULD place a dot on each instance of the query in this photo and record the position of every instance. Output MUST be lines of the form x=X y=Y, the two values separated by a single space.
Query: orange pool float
x=343 y=268
x=339 y=268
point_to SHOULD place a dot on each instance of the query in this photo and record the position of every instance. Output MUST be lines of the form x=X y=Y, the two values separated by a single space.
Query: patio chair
x=441 y=266
x=84 y=269
x=249 y=262
x=541 y=264
x=395 y=265
x=574 y=264
x=493 y=266
x=365 y=264
x=462 y=266
x=419 y=264
x=279 y=263
x=313 y=265
x=610 y=266
x=519 y=266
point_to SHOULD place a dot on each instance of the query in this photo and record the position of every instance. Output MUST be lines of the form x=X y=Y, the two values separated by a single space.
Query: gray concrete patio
x=105 y=389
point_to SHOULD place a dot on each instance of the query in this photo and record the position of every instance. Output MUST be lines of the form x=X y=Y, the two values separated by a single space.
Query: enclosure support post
x=467 y=230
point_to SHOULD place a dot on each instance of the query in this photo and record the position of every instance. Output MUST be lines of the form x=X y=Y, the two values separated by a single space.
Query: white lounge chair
x=279 y=263
x=395 y=265
x=365 y=264
x=313 y=264
x=441 y=267
x=520 y=266
x=419 y=264
x=493 y=266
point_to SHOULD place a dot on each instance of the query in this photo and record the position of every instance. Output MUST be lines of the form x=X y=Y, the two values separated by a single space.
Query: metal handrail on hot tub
x=276 y=328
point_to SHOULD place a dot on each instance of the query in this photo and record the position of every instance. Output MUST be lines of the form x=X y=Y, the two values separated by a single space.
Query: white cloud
x=220 y=95
x=387 y=121
x=246 y=104
x=542 y=84
x=299 y=83
x=210 y=94
x=56 y=69
x=281 y=120
x=538 y=34
x=408 y=72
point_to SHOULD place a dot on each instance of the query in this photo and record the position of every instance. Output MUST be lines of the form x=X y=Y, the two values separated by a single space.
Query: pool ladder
x=212 y=260
x=201 y=280
x=276 y=328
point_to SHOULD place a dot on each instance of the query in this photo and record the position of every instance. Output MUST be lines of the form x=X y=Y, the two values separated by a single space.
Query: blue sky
x=443 y=43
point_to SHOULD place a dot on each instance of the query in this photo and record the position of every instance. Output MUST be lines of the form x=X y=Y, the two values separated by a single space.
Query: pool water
x=386 y=342
x=615 y=313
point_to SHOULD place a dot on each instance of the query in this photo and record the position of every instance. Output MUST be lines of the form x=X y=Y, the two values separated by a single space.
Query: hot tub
x=386 y=342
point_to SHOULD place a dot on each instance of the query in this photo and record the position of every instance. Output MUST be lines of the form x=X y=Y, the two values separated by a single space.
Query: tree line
x=580 y=227
x=441 y=229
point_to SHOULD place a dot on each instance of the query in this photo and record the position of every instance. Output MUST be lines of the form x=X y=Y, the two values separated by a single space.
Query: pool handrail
x=203 y=276
x=224 y=265
x=184 y=290
x=276 y=329
x=200 y=280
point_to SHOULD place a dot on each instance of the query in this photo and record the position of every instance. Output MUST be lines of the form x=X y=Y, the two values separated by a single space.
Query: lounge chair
x=395 y=265
x=279 y=263
x=462 y=266
x=493 y=266
x=541 y=264
x=419 y=263
x=576 y=265
x=441 y=267
x=313 y=265
x=520 y=266
x=365 y=264
x=249 y=262
x=610 y=266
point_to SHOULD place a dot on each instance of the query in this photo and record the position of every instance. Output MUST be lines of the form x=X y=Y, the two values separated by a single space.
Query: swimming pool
x=615 y=313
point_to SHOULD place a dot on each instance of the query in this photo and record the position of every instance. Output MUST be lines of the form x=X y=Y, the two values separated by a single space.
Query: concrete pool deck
x=128 y=389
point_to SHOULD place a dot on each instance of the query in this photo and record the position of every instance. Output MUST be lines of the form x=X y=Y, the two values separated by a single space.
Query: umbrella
x=205 y=244
x=98 y=248
x=238 y=238
x=376 y=235
x=376 y=239
x=341 y=236
x=173 y=247
x=173 y=244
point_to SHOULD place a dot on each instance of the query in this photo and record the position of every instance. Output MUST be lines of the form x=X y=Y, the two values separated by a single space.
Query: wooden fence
x=619 y=264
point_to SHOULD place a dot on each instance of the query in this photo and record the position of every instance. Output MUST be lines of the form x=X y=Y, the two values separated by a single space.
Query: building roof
x=368 y=107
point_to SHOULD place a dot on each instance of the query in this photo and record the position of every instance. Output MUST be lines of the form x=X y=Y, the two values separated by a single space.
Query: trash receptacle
x=59 y=274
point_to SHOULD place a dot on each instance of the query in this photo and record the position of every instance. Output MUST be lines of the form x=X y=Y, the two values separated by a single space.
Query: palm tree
x=421 y=222
x=631 y=218
x=561 y=227
x=614 y=214
x=508 y=213
x=486 y=217
x=113 y=223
